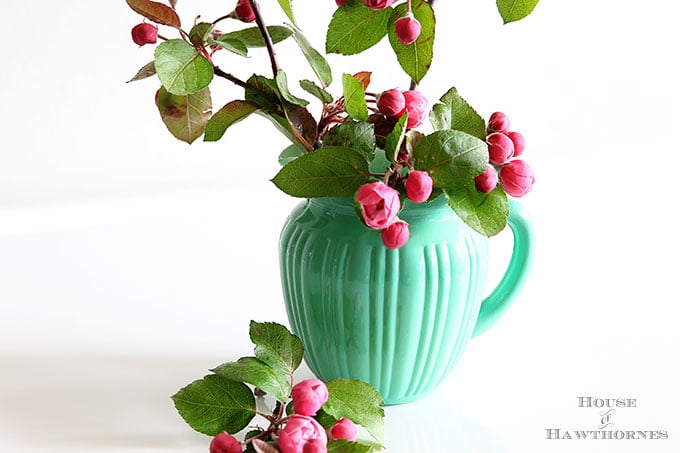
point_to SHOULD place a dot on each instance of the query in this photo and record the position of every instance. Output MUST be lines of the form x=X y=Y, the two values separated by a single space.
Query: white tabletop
x=109 y=308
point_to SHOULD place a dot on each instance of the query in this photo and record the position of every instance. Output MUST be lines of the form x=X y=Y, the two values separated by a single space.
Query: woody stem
x=265 y=34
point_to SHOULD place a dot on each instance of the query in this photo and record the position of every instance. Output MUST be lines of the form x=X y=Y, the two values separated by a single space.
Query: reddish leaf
x=363 y=77
x=261 y=446
x=156 y=12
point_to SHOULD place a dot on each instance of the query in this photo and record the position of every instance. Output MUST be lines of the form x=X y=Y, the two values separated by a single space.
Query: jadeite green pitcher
x=397 y=319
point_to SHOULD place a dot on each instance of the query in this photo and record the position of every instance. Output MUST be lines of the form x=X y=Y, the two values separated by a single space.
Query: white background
x=131 y=263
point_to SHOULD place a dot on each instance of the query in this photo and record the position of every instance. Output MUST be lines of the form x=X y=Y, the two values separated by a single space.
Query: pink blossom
x=340 y=2
x=344 y=429
x=144 y=34
x=407 y=29
x=418 y=186
x=299 y=430
x=498 y=122
x=517 y=178
x=395 y=235
x=392 y=103
x=378 y=4
x=487 y=181
x=416 y=105
x=308 y=396
x=379 y=203
x=501 y=148
x=225 y=443
x=518 y=141
x=244 y=12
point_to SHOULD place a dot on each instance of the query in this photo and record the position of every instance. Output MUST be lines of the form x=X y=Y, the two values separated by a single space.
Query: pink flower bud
x=340 y=2
x=407 y=29
x=315 y=446
x=487 y=181
x=379 y=203
x=418 y=186
x=518 y=141
x=299 y=430
x=244 y=12
x=378 y=4
x=395 y=235
x=144 y=34
x=344 y=429
x=308 y=396
x=498 y=122
x=416 y=105
x=225 y=443
x=501 y=148
x=517 y=178
x=391 y=103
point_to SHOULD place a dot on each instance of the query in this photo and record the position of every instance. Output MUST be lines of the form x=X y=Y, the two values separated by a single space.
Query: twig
x=266 y=36
x=230 y=77
x=231 y=15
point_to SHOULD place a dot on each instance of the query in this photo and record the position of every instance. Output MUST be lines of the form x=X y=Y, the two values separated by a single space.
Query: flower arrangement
x=310 y=416
x=365 y=144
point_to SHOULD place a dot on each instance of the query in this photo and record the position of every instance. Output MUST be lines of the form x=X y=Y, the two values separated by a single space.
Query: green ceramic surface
x=397 y=319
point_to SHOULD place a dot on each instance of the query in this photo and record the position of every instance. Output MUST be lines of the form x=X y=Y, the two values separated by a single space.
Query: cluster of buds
x=505 y=146
x=301 y=432
x=394 y=103
x=380 y=205
x=145 y=33
x=407 y=28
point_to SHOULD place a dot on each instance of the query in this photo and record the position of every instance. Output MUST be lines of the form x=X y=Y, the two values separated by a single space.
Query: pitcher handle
x=500 y=299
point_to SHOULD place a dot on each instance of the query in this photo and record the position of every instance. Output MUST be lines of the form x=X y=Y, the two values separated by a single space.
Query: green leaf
x=227 y=116
x=289 y=154
x=287 y=7
x=453 y=112
x=452 y=158
x=318 y=63
x=144 y=72
x=355 y=98
x=252 y=37
x=486 y=213
x=276 y=346
x=356 y=135
x=327 y=172
x=396 y=137
x=282 y=84
x=215 y=404
x=514 y=10
x=355 y=28
x=325 y=420
x=181 y=68
x=264 y=93
x=185 y=116
x=200 y=32
x=357 y=401
x=315 y=90
x=156 y=12
x=294 y=121
x=259 y=374
x=296 y=124
x=232 y=45
x=415 y=59
x=345 y=446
